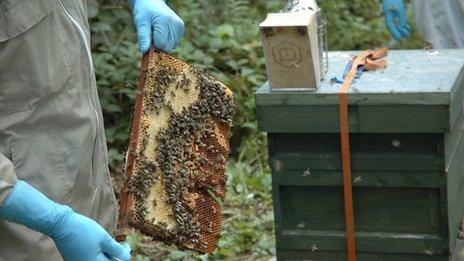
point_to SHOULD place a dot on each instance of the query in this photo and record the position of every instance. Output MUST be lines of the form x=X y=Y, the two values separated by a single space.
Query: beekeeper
x=439 y=22
x=56 y=197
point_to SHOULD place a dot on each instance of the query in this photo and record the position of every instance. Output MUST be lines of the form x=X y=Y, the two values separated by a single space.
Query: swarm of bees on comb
x=176 y=163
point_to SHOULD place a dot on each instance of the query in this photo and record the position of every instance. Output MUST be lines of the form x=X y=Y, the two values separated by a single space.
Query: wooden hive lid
x=419 y=91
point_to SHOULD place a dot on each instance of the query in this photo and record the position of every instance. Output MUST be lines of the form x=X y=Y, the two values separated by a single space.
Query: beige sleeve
x=7 y=177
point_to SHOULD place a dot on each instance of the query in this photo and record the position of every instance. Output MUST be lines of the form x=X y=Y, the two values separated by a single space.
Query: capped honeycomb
x=175 y=168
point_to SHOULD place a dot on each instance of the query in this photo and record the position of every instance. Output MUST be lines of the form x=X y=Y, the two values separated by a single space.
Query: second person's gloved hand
x=395 y=18
x=153 y=18
x=77 y=237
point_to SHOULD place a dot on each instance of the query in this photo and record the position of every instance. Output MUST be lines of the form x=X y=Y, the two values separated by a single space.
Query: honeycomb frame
x=176 y=162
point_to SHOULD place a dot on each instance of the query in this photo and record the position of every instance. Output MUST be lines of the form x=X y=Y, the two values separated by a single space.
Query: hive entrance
x=176 y=161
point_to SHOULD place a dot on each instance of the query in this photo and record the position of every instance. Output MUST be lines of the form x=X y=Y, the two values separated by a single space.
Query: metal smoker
x=295 y=46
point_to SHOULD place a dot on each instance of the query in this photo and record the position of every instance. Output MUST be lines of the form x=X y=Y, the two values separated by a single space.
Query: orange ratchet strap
x=371 y=60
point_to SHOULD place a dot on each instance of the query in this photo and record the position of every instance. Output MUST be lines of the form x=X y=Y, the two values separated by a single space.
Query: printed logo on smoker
x=287 y=54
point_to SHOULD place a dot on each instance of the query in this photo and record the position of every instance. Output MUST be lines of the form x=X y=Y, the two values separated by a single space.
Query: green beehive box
x=407 y=153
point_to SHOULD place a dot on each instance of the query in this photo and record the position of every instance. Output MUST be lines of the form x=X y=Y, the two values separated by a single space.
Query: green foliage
x=222 y=37
x=249 y=219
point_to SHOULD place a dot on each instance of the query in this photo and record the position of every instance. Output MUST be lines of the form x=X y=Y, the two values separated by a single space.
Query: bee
x=173 y=94
x=307 y=172
x=313 y=247
x=204 y=245
x=181 y=239
x=163 y=225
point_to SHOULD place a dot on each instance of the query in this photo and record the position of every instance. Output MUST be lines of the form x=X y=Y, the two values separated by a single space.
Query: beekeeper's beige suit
x=440 y=22
x=51 y=128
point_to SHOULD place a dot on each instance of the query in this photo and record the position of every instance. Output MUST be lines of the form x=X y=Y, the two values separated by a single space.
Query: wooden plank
x=451 y=141
x=366 y=242
x=275 y=193
x=457 y=99
x=305 y=177
x=401 y=221
x=277 y=207
x=398 y=144
x=369 y=152
x=283 y=254
x=408 y=211
x=265 y=97
x=363 y=118
x=455 y=179
x=359 y=162
x=454 y=154
x=444 y=229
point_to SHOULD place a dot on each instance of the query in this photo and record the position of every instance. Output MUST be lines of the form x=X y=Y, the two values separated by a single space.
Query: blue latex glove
x=168 y=28
x=77 y=237
x=395 y=18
